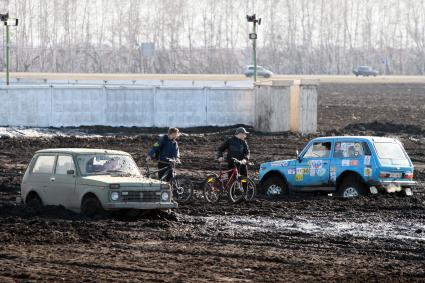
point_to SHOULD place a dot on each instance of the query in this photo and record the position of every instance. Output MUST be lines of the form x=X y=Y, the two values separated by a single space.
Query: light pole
x=253 y=37
x=7 y=23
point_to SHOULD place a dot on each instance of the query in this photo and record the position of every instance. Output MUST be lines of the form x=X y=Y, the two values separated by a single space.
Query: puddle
x=385 y=230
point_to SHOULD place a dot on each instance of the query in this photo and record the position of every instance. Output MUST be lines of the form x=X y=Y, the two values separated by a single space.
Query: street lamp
x=253 y=37
x=8 y=22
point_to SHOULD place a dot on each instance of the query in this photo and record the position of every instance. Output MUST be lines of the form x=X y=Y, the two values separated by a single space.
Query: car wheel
x=34 y=201
x=91 y=207
x=351 y=188
x=274 y=187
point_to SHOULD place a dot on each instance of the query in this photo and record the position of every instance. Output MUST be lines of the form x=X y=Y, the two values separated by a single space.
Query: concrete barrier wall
x=76 y=105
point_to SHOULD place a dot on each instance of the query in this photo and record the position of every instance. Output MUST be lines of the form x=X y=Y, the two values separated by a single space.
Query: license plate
x=373 y=190
x=395 y=175
x=408 y=192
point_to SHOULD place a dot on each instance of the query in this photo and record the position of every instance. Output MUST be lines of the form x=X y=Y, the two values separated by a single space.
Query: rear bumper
x=394 y=186
x=139 y=205
x=397 y=183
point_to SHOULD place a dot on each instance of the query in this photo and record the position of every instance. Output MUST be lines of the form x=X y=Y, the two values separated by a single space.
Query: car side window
x=64 y=163
x=350 y=150
x=44 y=164
x=319 y=149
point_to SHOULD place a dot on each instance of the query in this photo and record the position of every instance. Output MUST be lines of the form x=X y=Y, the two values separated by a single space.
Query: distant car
x=365 y=71
x=91 y=181
x=261 y=71
x=349 y=166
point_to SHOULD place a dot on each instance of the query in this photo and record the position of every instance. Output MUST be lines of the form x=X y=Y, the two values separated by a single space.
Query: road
x=219 y=77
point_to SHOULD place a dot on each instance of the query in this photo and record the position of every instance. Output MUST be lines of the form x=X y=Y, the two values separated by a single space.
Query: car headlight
x=165 y=196
x=115 y=196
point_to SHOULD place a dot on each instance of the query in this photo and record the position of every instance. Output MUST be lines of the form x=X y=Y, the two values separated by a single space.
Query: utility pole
x=7 y=23
x=253 y=37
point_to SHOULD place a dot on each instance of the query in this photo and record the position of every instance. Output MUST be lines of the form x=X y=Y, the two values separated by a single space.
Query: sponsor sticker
x=291 y=171
x=333 y=176
x=333 y=169
x=312 y=172
x=368 y=172
x=354 y=162
x=299 y=177
x=321 y=171
x=316 y=164
x=367 y=160
x=345 y=162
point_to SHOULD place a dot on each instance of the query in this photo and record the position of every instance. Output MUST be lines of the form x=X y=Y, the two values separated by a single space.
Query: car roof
x=82 y=151
x=369 y=138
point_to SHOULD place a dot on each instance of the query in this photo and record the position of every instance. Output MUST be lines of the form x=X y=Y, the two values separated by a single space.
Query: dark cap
x=241 y=130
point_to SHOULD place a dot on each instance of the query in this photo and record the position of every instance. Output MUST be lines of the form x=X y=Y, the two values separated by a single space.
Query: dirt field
x=305 y=238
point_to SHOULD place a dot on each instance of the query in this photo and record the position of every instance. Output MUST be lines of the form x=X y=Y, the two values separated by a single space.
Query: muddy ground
x=305 y=238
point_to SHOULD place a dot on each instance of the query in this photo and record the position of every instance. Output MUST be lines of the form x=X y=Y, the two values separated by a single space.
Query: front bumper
x=139 y=205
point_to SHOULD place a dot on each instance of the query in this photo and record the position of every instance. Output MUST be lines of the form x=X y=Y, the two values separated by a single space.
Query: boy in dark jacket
x=236 y=147
x=165 y=148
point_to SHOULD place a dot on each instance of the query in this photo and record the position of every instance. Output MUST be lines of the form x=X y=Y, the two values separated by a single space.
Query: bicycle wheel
x=212 y=189
x=236 y=191
x=249 y=187
x=182 y=188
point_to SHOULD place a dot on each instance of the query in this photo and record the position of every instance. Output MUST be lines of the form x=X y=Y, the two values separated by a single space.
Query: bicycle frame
x=171 y=167
x=231 y=179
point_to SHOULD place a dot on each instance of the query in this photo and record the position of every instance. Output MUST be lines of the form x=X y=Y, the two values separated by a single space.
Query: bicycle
x=181 y=186
x=237 y=187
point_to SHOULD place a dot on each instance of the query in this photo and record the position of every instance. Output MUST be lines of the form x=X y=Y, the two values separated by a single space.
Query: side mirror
x=70 y=172
x=298 y=156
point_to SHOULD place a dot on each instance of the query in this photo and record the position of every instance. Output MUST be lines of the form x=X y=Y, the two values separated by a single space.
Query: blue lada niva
x=347 y=165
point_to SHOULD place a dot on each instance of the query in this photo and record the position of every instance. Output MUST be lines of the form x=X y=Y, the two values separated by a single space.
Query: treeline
x=211 y=36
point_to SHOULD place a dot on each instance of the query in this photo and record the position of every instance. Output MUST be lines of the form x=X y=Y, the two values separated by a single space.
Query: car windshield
x=105 y=164
x=391 y=154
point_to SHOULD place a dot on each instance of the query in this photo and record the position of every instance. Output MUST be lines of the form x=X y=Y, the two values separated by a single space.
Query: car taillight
x=408 y=175
x=384 y=175
x=394 y=175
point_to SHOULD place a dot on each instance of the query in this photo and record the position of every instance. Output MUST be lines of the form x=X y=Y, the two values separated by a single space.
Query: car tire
x=34 y=201
x=91 y=207
x=274 y=187
x=351 y=187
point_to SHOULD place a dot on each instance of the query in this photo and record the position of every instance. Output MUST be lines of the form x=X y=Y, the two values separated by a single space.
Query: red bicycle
x=236 y=187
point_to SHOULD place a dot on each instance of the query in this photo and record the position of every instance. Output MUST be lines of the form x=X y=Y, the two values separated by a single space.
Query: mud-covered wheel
x=351 y=187
x=250 y=189
x=236 y=191
x=274 y=187
x=91 y=207
x=182 y=188
x=34 y=201
x=212 y=189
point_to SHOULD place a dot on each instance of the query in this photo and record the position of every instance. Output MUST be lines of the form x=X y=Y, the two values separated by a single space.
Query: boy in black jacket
x=236 y=147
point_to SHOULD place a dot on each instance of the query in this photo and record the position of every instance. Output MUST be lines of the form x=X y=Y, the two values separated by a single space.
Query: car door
x=41 y=175
x=63 y=181
x=351 y=155
x=312 y=169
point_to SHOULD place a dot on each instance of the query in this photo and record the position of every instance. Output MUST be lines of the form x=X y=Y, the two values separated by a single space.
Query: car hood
x=102 y=180
x=279 y=163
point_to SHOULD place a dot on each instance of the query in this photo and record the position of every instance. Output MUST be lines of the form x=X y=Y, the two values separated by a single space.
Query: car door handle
x=52 y=179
